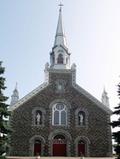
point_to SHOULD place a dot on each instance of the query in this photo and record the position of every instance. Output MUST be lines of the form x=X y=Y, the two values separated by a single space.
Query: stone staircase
x=17 y=157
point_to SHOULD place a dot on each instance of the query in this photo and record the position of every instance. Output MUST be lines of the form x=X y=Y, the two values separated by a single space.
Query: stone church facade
x=59 y=118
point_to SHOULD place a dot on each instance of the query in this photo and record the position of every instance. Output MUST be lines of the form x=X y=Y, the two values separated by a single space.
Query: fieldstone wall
x=97 y=132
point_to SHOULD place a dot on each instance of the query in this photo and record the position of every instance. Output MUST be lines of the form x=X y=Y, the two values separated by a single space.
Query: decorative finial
x=15 y=96
x=105 y=98
x=60 y=5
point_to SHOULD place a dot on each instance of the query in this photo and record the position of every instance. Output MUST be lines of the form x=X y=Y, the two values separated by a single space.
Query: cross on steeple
x=60 y=5
x=16 y=85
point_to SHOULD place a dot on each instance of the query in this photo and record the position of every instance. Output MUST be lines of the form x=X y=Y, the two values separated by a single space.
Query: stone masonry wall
x=97 y=131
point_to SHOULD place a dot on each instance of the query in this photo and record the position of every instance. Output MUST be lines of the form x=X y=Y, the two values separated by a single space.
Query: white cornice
x=93 y=99
x=28 y=96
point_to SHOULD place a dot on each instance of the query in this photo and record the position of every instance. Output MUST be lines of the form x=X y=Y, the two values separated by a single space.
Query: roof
x=28 y=96
x=92 y=98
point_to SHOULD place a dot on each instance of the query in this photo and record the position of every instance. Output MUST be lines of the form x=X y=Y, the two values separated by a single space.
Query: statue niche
x=38 y=117
x=81 y=118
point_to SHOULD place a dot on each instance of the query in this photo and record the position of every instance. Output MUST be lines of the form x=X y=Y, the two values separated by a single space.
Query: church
x=60 y=118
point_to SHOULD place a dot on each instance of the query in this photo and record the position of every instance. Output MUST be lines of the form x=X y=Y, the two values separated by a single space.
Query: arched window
x=81 y=118
x=59 y=114
x=60 y=59
x=52 y=58
x=38 y=117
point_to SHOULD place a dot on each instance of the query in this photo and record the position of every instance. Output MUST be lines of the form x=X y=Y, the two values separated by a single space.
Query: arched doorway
x=59 y=146
x=37 y=147
x=81 y=148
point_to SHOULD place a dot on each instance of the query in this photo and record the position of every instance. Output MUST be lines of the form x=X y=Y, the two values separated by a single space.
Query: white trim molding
x=68 y=106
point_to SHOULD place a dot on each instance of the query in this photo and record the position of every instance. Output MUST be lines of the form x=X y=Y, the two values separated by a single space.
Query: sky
x=92 y=29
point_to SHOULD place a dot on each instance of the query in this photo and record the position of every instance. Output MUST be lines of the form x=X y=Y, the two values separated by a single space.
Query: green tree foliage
x=4 y=114
x=116 y=135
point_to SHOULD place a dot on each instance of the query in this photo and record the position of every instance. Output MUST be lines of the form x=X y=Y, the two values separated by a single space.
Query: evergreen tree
x=3 y=115
x=116 y=135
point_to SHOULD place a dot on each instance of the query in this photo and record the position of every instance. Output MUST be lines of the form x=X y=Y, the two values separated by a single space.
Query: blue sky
x=92 y=28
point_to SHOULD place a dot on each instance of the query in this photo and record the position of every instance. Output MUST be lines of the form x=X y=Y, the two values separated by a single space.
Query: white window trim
x=60 y=111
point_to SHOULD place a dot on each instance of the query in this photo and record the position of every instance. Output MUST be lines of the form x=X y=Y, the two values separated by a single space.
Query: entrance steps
x=17 y=157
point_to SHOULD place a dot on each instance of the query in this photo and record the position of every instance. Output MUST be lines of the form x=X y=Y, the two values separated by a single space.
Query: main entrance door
x=81 y=148
x=59 y=146
x=37 y=147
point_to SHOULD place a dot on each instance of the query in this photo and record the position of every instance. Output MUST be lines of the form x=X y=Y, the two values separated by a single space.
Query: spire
x=15 y=96
x=60 y=57
x=60 y=36
x=105 y=99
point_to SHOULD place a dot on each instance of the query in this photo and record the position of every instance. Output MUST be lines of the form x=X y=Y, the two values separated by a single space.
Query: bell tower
x=60 y=57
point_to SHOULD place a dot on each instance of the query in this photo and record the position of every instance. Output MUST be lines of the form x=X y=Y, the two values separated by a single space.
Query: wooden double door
x=59 y=146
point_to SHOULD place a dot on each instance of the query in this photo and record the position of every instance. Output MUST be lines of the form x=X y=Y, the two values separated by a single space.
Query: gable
x=92 y=98
x=28 y=96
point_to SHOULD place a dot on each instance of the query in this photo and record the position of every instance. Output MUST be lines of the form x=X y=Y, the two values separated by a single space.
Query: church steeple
x=60 y=38
x=15 y=96
x=60 y=57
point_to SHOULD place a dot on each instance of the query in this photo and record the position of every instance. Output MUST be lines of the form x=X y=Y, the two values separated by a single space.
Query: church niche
x=38 y=117
x=81 y=118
